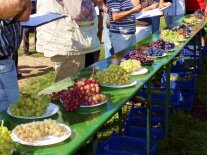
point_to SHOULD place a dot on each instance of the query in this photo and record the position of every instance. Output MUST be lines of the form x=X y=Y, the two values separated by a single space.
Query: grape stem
x=93 y=71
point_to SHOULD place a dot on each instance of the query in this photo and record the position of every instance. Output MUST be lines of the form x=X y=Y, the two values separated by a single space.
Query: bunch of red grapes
x=91 y=90
x=71 y=98
x=84 y=92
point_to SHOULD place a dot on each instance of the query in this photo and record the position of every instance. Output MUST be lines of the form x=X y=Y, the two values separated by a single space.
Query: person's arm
x=118 y=16
x=24 y=14
x=164 y=4
x=97 y=2
x=151 y=7
x=9 y=8
x=105 y=8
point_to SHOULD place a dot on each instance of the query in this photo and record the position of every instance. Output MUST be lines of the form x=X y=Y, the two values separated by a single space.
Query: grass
x=37 y=84
x=187 y=136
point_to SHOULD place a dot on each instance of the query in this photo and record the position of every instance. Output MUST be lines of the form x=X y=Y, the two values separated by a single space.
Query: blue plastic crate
x=158 y=95
x=184 y=81
x=124 y=145
x=158 y=111
x=187 y=99
x=141 y=121
x=188 y=50
x=141 y=132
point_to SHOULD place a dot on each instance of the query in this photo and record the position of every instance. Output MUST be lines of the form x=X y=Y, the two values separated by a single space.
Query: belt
x=5 y=57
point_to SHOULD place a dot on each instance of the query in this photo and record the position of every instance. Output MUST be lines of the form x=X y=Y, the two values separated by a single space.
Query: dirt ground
x=32 y=67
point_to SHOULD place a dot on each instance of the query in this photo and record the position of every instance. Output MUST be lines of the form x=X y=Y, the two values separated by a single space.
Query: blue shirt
x=10 y=37
x=125 y=26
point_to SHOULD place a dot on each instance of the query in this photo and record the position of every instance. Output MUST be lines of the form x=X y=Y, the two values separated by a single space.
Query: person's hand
x=168 y=4
x=154 y=6
x=135 y=2
x=137 y=9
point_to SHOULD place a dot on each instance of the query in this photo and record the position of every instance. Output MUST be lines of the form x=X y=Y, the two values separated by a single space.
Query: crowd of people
x=73 y=43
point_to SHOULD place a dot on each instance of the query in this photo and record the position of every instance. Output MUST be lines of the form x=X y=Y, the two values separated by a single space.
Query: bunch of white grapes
x=6 y=143
x=114 y=75
x=130 y=65
x=39 y=130
x=30 y=106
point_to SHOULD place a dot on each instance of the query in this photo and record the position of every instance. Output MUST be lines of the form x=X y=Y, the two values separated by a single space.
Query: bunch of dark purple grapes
x=141 y=56
x=154 y=52
x=160 y=43
x=199 y=14
x=169 y=46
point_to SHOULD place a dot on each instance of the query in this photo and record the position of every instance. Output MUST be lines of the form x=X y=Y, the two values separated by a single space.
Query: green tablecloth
x=86 y=122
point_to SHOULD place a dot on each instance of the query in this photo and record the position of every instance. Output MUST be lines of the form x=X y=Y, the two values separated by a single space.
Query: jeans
x=107 y=42
x=9 y=90
x=155 y=22
x=122 y=41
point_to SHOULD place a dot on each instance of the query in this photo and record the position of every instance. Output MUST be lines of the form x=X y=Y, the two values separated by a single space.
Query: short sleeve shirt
x=125 y=26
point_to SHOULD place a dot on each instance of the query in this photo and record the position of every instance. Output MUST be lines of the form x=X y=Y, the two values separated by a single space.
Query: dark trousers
x=26 y=40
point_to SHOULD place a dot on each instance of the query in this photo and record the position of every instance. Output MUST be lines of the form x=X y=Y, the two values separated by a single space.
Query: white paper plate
x=95 y=105
x=133 y=82
x=140 y=71
x=158 y=56
x=47 y=141
x=51 y=110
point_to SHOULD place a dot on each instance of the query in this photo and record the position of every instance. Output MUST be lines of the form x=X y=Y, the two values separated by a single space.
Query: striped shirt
x=10 y=37
x=125 y=26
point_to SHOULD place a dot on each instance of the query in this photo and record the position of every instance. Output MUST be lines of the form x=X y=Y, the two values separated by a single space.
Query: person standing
x=122 y=22
x=156 y=20
x=107 y=42
x=175 y=12
x=143 y=26
x=29 y=30
x=72 y=42
x=11 y=12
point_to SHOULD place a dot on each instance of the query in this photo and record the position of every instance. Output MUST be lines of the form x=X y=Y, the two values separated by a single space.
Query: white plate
x=140 y=71
x=47 y=140
x=133 y=82
x=95 y=105
x=170 y=50
x=176 y=43
x=51 y=110
x=158 y=56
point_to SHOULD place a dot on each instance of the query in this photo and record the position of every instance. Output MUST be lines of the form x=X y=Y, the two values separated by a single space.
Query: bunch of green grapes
x=6 y=143
x=190 y=20
x=130 y=65
x=171 y=36
x=30 y=106
x=114 y=75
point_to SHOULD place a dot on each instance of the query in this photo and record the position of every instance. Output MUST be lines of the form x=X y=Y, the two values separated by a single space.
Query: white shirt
x=177 y=8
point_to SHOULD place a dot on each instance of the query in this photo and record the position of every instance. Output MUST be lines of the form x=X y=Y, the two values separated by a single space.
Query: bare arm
x=105 y=8
x=9 y=8
x=118 y=16
x=151 y=7
x=24 y=14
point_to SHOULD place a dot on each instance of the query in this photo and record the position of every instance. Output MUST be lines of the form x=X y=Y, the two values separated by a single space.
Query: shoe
x=26 y=54
x=19 y=75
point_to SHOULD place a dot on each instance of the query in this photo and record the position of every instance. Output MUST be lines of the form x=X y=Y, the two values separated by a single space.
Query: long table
x=85 y=123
